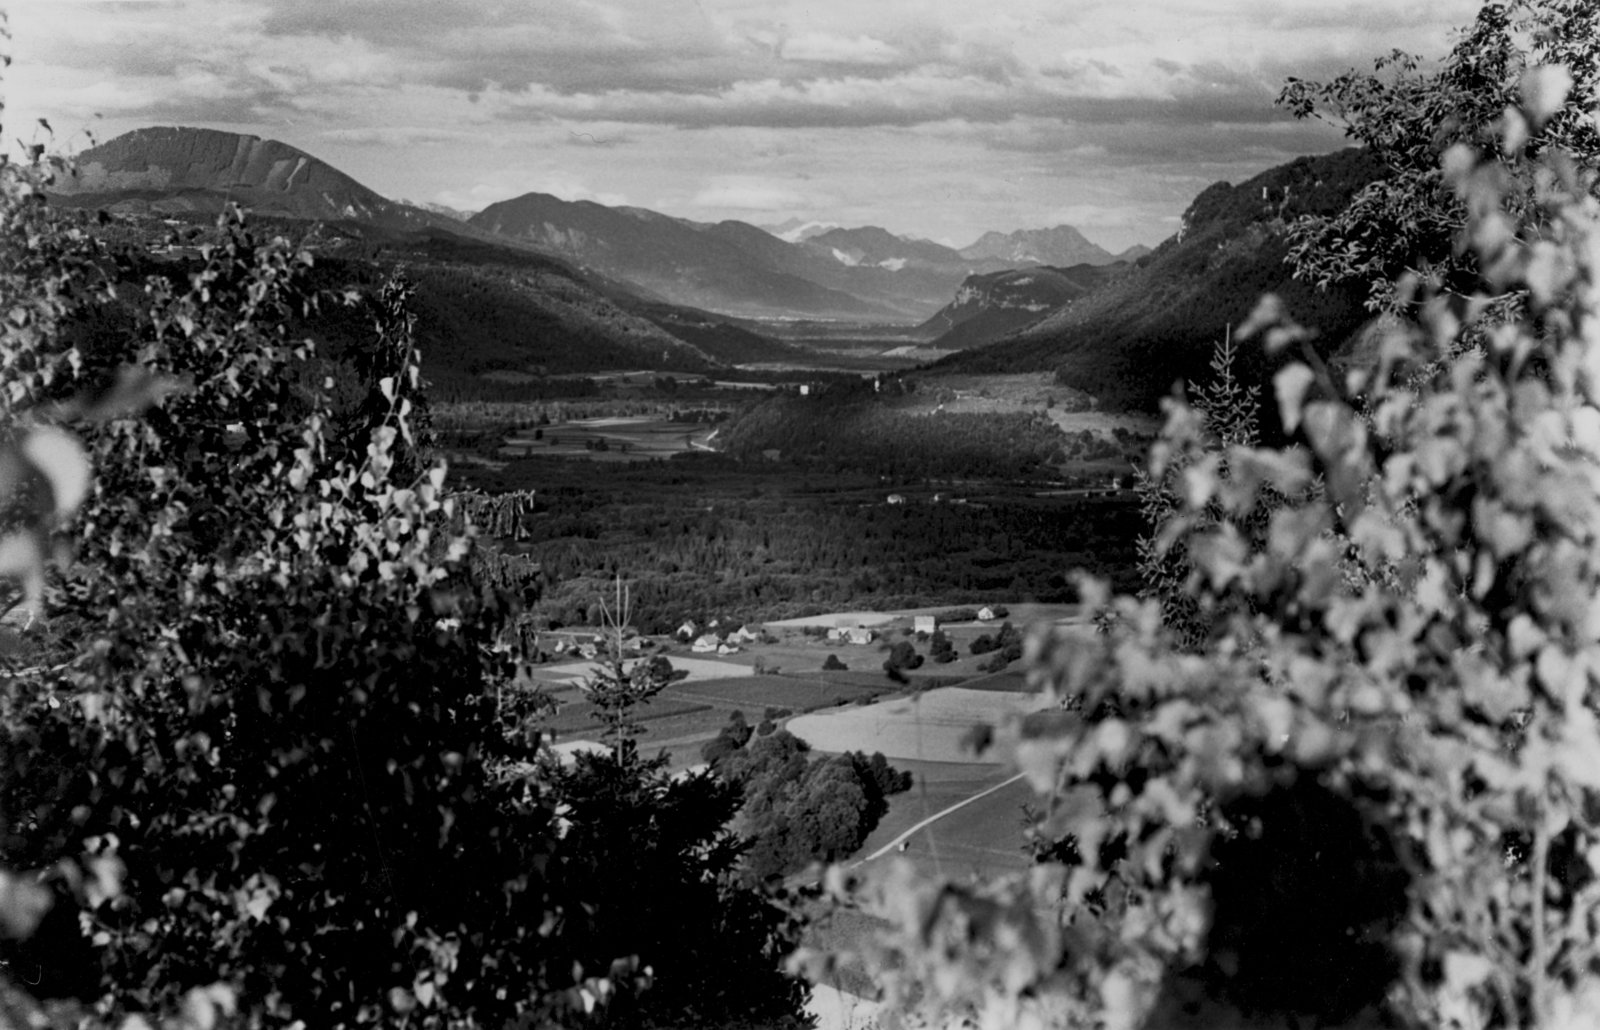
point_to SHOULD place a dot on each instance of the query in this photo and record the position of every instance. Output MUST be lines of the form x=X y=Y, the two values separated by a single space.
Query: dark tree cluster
x=800 y=808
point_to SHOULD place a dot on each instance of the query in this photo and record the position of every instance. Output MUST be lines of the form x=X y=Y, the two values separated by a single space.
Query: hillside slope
x=991 y=305
x=489 y=310
x=672 y=257
x=172 y=170
x=1128 y=342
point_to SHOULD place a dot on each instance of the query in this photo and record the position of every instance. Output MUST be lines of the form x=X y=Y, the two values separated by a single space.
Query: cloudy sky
x=932 y=118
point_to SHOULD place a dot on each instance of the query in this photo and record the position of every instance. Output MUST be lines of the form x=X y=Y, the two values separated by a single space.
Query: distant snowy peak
x=438 y=209
x=1060 y=246
x=796 y=229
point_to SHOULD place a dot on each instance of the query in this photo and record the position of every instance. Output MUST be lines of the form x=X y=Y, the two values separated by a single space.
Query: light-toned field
x=930 y=727
x=626 y=438
x=1021 y=614
x=698 y=669
x=754 y=694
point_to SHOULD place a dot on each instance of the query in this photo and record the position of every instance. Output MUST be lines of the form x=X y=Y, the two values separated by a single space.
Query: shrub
x=1404 y=660
x=902 y=656
x=983 y=644
x=833 y=664
x=283 y=709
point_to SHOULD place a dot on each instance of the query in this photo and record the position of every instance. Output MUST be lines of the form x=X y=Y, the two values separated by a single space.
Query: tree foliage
x=1410 y=655
x=1408 y=114
x=666 y=918
x=272 y=735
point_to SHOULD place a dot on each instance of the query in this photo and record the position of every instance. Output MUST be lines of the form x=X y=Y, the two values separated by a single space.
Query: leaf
x=60 y=458
x=1290 y=385
x=23 y=902
x=22 y=559
x=1544 y=90
x=1464 y=970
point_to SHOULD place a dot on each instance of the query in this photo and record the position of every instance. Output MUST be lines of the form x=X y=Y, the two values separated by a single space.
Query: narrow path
x=893 y=844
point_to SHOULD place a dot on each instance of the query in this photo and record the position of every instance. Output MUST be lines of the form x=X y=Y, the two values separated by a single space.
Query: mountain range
x=537 y=285
x=1129 y=340
x=811 y=270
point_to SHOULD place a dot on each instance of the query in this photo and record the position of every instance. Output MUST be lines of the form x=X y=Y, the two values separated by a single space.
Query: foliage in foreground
x=1410 y=653
x=1406 y=114
x=275 y=712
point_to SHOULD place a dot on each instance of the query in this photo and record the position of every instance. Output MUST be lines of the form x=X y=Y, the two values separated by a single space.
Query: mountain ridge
x=1130 y=340
x=1060 y=246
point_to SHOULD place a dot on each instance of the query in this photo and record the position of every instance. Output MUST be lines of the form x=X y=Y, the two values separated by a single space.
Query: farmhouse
x=687 y=630
x=925 y=624
x=860 y=635
x=897 y=499
x=986 y=614
x=706 y=644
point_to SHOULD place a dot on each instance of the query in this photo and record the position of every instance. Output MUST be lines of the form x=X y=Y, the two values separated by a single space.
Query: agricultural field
x=932 y=726
x=617 y=438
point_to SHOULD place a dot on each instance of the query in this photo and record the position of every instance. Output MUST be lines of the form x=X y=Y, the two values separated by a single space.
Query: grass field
x=753 y=694
x=626 y=438
x=931 y=727
x=577 y=717
x=699 y=669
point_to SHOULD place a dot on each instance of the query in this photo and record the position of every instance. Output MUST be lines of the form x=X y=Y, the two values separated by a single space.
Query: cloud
x=825 y=48
x=394 y=136
x=925 y=111
x=745 y=194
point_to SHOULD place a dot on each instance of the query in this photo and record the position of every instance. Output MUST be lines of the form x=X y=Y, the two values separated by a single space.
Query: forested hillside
x=1130 y=341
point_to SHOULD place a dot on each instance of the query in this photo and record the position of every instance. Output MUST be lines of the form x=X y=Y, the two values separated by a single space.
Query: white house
x=743 y=635
x=860 y=635
x=985 y=614
x=897 y=499
x=687 y=630
x=928 y=624
x=705 y=644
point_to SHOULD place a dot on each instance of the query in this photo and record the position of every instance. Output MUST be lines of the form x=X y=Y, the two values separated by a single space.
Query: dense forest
x=852 y=430
x=703 y=534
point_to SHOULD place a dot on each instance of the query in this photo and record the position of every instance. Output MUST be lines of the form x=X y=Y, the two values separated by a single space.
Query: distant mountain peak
x=794 y=230
x=173 y=169
x=1061 y=246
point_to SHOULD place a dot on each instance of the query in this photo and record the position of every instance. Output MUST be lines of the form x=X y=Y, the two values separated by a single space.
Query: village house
x=928 y=624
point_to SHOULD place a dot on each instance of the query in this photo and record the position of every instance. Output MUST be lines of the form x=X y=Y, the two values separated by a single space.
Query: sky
x=939 y=119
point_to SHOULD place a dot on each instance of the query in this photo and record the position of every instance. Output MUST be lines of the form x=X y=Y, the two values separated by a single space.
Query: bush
x=833 y=664
x=983 y=645
x=902 y=656
x=1404 y=663
x=289 y=714
x=798 y=809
